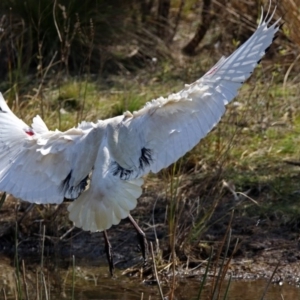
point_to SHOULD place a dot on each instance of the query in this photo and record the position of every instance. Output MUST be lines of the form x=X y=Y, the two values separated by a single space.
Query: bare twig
x=155 y=273
x=67 y=232
x=55 y=22
x=37 y=285
x=73 y=277
x=2 y=199
x=4 y=294
x=45 y=287
x=182 y=2
x=289 y=71
x=45 y=74
x=24 y=280
x=207 y=17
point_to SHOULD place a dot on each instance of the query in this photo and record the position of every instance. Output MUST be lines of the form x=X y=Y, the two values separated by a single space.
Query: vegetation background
x=69 y=61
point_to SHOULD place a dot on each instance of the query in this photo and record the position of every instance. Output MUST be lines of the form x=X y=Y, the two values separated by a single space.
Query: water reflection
x=95 y=283
x=251 y=290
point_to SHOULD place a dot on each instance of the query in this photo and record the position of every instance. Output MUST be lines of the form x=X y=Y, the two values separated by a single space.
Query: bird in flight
x=100 y=165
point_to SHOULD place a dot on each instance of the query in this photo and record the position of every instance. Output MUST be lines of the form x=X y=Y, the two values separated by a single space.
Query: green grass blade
x=73 y=278
x=227 y=288
x=269 y=282
x=205 y=275
x=220 y=276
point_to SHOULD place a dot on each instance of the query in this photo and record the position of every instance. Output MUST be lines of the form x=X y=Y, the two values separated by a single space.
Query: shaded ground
x=263 y=240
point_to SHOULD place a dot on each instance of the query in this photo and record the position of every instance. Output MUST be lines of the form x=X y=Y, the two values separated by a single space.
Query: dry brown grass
x=291 y=14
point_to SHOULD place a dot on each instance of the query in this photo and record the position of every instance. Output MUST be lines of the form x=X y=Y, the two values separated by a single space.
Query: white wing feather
x=169 y=127
x=42 y=166
x=38 y=125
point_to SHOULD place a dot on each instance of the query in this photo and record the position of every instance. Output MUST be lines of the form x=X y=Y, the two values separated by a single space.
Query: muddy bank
x=262 y=242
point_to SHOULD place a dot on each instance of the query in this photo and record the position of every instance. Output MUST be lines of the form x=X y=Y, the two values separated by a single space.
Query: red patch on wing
x=29 y=132
x=211 y=71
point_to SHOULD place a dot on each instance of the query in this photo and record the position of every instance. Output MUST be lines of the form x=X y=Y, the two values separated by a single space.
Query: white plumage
x=42 y=166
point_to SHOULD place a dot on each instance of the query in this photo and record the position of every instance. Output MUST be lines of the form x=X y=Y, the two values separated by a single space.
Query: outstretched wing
x=166 y=128
x=108 y=198
x=42 y=166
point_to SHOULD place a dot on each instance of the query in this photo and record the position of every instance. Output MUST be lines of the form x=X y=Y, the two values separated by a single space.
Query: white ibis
x=100 y=165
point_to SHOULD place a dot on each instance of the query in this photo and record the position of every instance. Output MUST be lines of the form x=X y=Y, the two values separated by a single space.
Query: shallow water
x=246 y=290
x=95 y=283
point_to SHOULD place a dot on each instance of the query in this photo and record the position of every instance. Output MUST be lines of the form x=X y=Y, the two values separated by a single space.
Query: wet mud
x=262 y=244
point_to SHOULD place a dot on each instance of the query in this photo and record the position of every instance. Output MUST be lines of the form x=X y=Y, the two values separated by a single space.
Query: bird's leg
x=141 y=238
x=108 y=252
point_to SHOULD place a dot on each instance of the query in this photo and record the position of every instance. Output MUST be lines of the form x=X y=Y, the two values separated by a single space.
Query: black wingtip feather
x=122 y=173
x=280 y=26
x=267 y=49
x=146 y=158
x=72 y=192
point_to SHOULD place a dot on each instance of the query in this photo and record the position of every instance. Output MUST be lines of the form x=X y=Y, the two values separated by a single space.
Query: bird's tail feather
x=100 y=213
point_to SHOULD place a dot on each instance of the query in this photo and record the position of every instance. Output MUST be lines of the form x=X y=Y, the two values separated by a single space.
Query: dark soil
x=262 y=242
